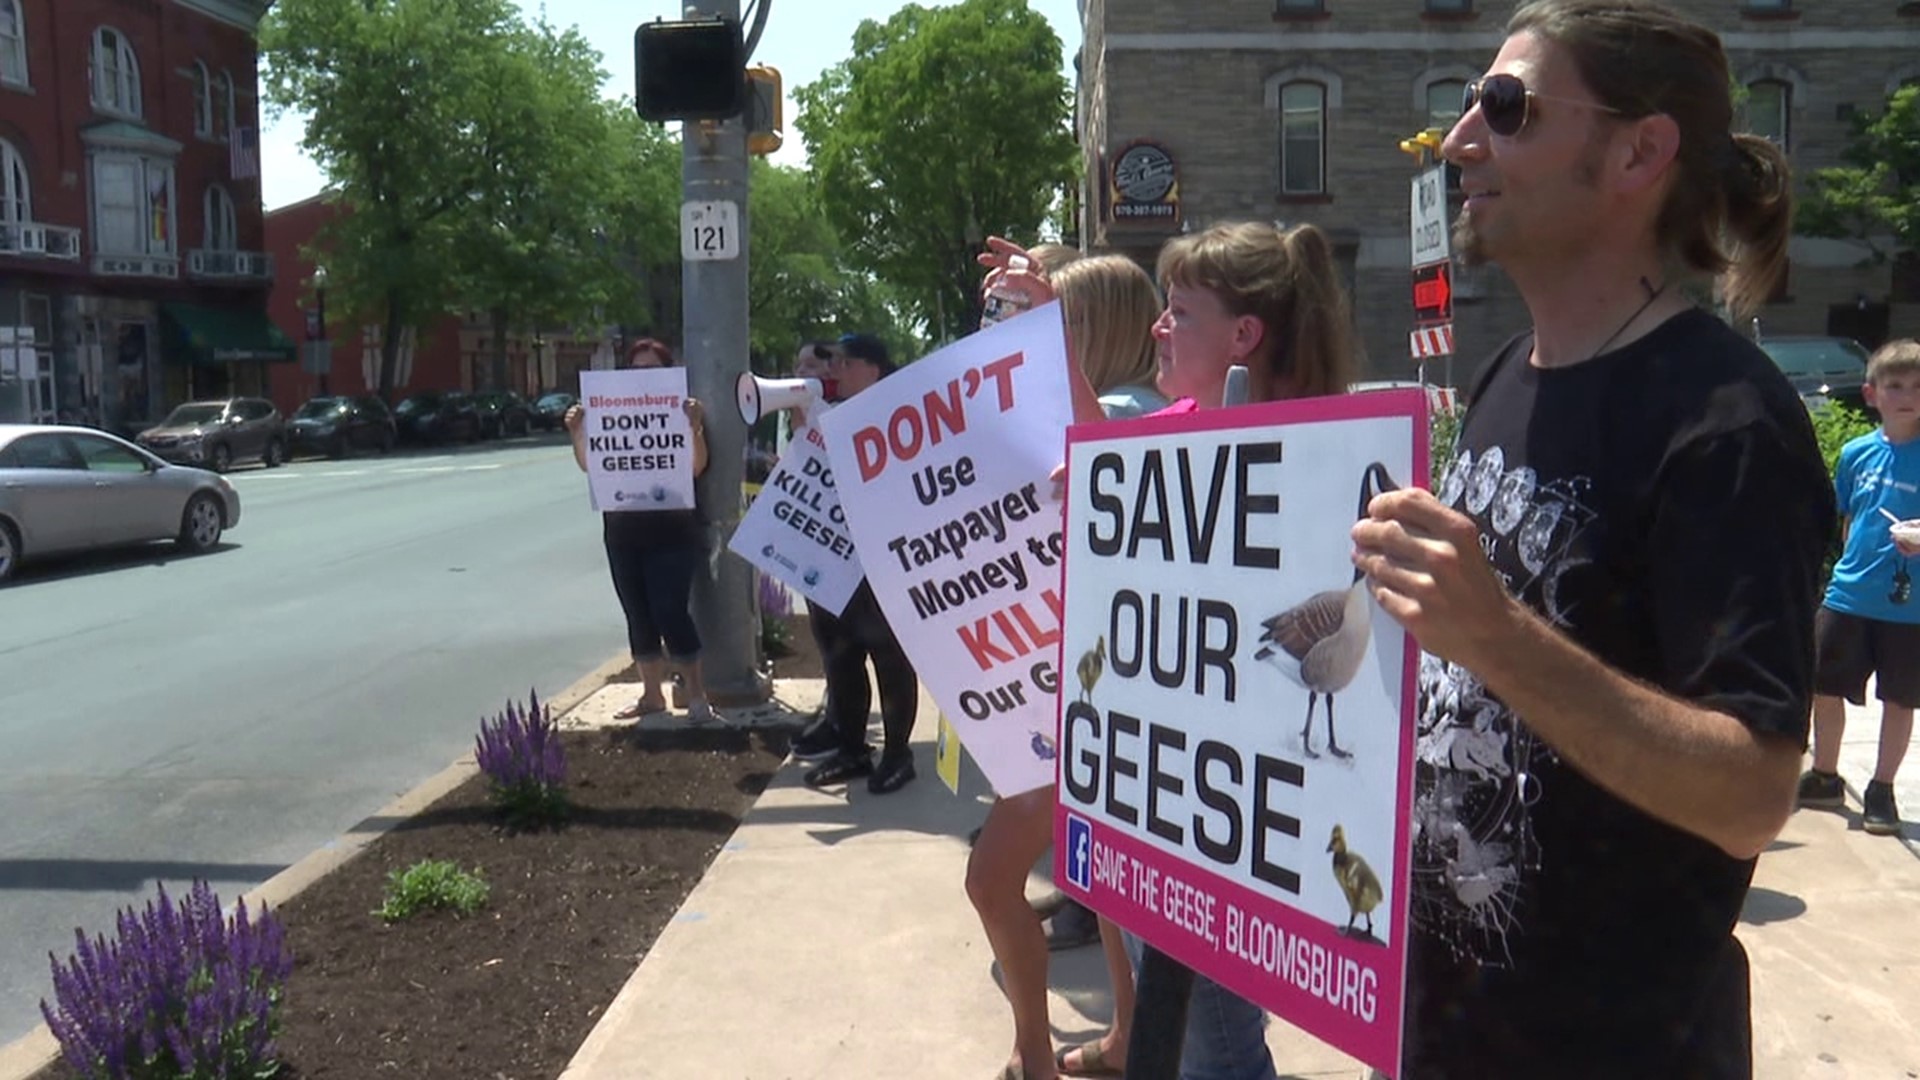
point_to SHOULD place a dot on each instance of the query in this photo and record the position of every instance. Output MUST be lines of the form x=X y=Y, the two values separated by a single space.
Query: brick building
x=453 y=351
x=1293 y=110
x=133 y=269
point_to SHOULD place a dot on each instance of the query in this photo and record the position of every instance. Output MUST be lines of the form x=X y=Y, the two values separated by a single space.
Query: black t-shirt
x=1665 y=506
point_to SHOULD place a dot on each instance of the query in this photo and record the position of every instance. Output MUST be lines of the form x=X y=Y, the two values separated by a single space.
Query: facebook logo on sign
x=1079 y=853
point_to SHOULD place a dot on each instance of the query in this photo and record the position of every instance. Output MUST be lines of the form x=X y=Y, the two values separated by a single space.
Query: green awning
x=206 y=335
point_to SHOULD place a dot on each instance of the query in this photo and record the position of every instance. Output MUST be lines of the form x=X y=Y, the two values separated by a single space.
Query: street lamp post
x=323 y=362
x=539 y=360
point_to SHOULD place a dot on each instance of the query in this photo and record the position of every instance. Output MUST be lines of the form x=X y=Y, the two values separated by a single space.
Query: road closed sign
x=1430 y=217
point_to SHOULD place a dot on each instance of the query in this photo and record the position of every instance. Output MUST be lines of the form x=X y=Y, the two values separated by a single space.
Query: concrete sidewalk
x=832 y=937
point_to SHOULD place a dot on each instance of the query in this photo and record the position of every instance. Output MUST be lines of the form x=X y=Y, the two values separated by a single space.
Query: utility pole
x=714 y=284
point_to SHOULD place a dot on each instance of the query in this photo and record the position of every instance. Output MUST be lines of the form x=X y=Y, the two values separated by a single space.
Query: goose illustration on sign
x=1320 y=642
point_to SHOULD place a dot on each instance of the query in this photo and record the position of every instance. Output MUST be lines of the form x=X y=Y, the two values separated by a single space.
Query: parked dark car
x=1822 y=368
x=337 y=426
x=503 y=414
x=437 y=416
x=550 y=410
x=219 y=434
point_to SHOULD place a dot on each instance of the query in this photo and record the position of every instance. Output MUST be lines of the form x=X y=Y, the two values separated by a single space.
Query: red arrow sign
x=1432 y=293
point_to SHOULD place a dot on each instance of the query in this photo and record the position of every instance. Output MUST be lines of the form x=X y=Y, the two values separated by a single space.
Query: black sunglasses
x=1506 y=104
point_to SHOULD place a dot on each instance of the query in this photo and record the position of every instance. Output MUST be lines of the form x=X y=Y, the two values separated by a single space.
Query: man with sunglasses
x=1614 y=583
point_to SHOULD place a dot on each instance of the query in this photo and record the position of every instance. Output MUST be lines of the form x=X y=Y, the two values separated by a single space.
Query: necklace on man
x=1652 y=295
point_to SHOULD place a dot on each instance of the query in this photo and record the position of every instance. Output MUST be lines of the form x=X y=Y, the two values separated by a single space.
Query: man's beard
x=1468 y=245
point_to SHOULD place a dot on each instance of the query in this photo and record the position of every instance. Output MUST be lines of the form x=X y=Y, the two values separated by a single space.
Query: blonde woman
x=1109 y=304
x=1242 y=294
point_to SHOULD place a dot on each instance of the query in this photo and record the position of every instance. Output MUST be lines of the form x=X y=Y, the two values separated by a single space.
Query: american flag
x=243 y=152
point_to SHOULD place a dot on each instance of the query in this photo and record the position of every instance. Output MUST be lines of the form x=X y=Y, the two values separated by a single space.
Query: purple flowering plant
x=183 y=992
x=520 y=752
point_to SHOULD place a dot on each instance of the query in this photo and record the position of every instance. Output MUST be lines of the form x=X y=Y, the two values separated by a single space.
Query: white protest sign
x=639 y=440
x=943 y=471
x=796 y=531
x=1237 y=727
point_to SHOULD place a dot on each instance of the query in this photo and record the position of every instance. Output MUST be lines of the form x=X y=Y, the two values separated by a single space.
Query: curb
x=38 y=1049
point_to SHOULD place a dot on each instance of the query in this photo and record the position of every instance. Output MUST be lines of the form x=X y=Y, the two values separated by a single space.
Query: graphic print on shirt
x=1477 y=773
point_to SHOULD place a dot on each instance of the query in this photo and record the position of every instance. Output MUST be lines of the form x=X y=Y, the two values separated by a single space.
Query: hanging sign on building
x=1144 y=184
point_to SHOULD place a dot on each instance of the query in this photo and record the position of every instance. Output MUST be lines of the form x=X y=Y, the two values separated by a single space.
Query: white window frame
x=223 y=106
x=13 y=46
x=16 y=185
x=202 y=100
x=1287 y=118
x=149 y=172
x=221 y=231
x=115 y=74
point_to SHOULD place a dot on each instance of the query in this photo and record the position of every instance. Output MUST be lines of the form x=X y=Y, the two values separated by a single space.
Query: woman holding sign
x=1110 y=305
x=1243 y=294
x=653 y=555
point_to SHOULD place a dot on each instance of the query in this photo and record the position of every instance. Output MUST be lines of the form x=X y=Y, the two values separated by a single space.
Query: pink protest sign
x=1236 y=714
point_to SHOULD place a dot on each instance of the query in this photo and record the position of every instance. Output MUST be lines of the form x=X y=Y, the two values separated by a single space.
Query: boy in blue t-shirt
x=1869 y=622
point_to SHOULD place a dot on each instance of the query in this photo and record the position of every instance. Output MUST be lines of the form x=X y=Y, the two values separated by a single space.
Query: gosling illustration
x=1357 y=880
x=1092 y=662
x=1320 y=642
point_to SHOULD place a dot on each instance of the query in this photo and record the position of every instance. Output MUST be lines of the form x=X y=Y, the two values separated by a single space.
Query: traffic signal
x=690 y=70
x=765 y=118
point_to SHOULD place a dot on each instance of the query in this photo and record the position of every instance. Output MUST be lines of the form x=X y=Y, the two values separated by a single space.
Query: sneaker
x=891 y=775
x=1881 y=817
x=1821 y=789
x=1072 y=927
x=839 y=769
x=818 y=742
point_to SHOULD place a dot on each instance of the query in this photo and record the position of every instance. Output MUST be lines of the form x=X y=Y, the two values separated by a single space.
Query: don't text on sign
x=639 y=439
x=1236 y=726
x=943 y=469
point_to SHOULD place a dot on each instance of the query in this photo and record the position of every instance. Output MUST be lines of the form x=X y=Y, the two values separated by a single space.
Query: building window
x=132 y=205
x=1769 y=104
x=202 y=100
x=1449 y=7
x=1299 y=7
x=1444 y=99
x=222 y=228
x=13 y=43
x=16 y=198
x=116 y=74
x=222 y=106
x=1303 y=138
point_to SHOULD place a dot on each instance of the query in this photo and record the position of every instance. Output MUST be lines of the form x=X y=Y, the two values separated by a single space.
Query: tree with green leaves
x=799 y=286
x=568 y=184
x=396 y=92
x=945 y=126
x=1874 y=199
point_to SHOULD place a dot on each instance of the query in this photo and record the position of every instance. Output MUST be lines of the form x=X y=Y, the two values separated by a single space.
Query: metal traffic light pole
x=714 y=287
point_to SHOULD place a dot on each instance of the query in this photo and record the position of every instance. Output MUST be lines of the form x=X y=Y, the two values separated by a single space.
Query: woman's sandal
x=641 y=707
x=1091 y=1062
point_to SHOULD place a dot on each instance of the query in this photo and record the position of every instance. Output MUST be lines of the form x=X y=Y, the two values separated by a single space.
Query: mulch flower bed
x=511 y=991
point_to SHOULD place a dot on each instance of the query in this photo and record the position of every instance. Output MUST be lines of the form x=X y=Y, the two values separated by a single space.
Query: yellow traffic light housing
x=765 y=114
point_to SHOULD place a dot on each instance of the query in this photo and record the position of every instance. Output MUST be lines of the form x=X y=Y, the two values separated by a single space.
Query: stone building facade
x=1294 y=111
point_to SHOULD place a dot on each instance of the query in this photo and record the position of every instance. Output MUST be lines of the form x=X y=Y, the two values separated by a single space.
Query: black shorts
x=1848 y=648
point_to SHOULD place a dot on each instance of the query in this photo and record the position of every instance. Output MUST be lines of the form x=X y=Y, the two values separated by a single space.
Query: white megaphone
x=759 y=396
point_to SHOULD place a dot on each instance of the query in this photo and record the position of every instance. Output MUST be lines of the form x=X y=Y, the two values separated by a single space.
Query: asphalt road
x=164 y=718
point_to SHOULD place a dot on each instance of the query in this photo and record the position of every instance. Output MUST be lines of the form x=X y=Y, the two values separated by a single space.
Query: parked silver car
x=220 y=434
x=65 y=489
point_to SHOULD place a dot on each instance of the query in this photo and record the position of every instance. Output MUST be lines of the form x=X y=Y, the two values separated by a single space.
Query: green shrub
x=1443 y=429
x=432 y=885
x=1836 y=425
x=776 y=638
